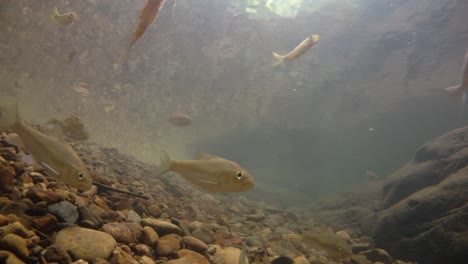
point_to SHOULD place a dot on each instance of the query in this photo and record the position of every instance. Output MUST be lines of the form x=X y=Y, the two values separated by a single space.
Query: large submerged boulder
x=419 y=212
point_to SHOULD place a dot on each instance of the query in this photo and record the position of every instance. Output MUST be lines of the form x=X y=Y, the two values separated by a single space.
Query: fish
x=211 y=173
x=147 y=16
x=460 y=90
x=243 y=255
x=72 y=127
x=56 y=157
x=180 y=120
x=298 y=51
x=324 y=240
x=63 y=19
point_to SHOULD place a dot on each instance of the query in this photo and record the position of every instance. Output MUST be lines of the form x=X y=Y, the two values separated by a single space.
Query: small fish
x=63 y=19
x=180 y=120
x=72 y=127
x=461 y=89
x=302 y=48
x=56 y=157
x=209 y=172
x=243 y=255
x=326 y=241
x=147 y=16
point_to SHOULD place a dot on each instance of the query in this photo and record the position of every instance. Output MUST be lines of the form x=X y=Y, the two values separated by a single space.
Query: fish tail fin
x=279 y=59
x=8 y=112
x=53 y=13
x=165 y=164
x=459 y=92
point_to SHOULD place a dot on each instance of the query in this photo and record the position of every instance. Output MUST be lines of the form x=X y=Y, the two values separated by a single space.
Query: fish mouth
x=248 y=185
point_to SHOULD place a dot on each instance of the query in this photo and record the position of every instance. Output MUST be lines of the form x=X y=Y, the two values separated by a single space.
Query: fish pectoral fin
x=49 y=168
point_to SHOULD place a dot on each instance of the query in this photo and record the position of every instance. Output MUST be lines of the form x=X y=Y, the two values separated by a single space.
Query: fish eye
x=81 y=176
x=239 y=175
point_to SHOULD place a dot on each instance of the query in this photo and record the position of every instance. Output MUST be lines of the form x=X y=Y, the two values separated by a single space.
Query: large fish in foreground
x=147 y=16
x=211 y=173
x=302 y=48
x=56 y=157
x=461 y=89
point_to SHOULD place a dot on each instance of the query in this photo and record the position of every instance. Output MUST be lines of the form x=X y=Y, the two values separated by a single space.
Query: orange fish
x=147 y=16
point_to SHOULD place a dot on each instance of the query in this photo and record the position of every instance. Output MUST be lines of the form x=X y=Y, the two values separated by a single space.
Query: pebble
x=195 y=244
x=360 y=259
x=7 y=178
x=228 y=254
x=15 y=244
x=154 y=210
x=145 y=260
x=86 y=243
x=4 y=220
x=179 y=261
x=88 y=218
x=123 y=232
x=193 y=256
x=133 y=216
x=119 y=256
x=273 y=220
x=195 y=225
x=168 y=244
x=358 y=247
x=65 y=211
x=344 y=235
x=149 y=237
x=56 y=254
x=46 y=223
x=37 y=195
x=161 y=227
x=301 y=260
x=204 y=235
x=142 y=249
x=18 y=228
x=378 y=255
x=9 y=258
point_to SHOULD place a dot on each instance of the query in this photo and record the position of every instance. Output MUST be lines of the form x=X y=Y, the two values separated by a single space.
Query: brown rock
x=360 y=259
x=194 y=244
x=168 y=244
x=16 y=244
x=378 y=255
x=86 y=243
x=179 y=261
x=57 y=254
x=193 y=256
x=125 y=233
x=18 y=228
x=142 y=249
x=149 y=237
x=7 y=177
x=9 y=258
x=119 y=256
x=154 y=210
x=161 y=227
x=4 y=220
x=37 y=195
x=46 y=223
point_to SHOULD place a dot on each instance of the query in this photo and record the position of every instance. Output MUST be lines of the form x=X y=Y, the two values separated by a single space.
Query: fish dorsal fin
x=48 y=168
x=206 y=156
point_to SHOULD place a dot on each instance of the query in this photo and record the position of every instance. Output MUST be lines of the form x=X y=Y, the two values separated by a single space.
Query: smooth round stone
x=179 y=261
x=133 y=216
x=9 y=258
x=194 y=244
x=87 y=244
x=125 y=233
x=228 y=254
x=193 y=256
x=301 y=260
x=65 y=211
x=168 y=244
x=344 y=235
x=161 y=227
x=4 y=220
x=149 y=237
x=15 y=244
x=119 y=256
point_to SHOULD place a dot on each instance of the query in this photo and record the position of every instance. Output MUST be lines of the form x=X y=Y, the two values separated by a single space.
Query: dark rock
x=7 y=177
x=282 y=260
x=378 y=255
x=57 y=254
x=37 y=195
x=88 y=218
x=65 y=211
x=46 y=224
